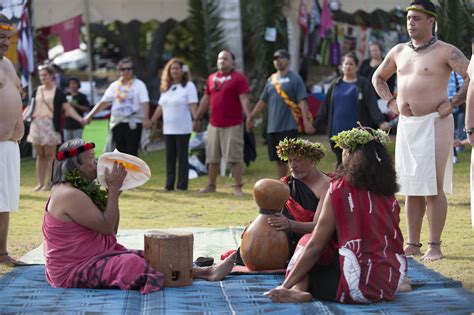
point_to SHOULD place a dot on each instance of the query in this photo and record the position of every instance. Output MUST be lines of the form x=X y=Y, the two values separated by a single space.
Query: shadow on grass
x=190 y=192
x=177 y=196
x=34 y=197
x=449 y=257
x=401 y=202
x=148 y=189
x=460 y=203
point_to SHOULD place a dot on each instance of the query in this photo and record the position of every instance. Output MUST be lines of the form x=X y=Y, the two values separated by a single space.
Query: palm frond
x=256 y=17
x=454 y=24
x=208 y=37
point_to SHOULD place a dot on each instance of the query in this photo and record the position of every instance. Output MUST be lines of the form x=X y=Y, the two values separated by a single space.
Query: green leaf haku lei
x=90 y=188
x=351 y=139
x=300 y=148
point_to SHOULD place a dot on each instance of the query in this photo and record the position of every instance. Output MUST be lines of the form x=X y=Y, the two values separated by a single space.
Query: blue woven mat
x=25 y=291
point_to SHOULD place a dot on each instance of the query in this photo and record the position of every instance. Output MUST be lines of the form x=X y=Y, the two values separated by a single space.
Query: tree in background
x=132 y=40
x=454 y=23
x=258 y=53
x=207 y=37
x=197 y=40
x=256 y=16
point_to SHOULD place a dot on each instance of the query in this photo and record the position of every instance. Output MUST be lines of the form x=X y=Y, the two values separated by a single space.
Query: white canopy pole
x=294 y=38
x=231 y=23
x=87 y=16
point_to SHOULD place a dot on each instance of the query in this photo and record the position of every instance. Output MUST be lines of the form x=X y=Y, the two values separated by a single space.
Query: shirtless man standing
x=11 y=131
x=425 y=130
x=469 y=125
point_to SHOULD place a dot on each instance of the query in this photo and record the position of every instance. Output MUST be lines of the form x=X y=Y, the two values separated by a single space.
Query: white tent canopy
x=50 y=12
x=351 y=6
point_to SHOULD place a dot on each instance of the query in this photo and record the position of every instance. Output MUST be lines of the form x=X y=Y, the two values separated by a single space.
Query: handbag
x=29 y=110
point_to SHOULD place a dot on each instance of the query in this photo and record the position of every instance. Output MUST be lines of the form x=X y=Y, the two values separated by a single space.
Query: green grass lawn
x=151 y=207
x=97 y=132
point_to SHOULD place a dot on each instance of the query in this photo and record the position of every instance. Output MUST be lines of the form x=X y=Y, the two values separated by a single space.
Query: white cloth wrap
x=10 y=176
x=472 y=188
x=415 y=157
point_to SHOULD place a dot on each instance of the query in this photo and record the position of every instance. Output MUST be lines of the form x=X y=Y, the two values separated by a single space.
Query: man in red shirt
x=227 y=94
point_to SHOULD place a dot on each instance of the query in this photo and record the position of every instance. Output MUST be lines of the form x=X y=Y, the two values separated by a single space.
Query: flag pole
x=30 y=77
x=89 y=48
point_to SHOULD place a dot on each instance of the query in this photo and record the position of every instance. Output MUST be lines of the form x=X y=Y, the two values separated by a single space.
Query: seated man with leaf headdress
x=308 y=186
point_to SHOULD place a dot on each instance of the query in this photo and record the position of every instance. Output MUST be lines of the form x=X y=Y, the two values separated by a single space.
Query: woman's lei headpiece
x=351 y=139
x=62 y=155
x=300 y=148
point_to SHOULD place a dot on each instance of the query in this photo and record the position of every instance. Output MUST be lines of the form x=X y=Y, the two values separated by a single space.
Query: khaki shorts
x=227 y=143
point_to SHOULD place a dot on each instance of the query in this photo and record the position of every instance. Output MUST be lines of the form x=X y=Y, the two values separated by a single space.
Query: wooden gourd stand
x=171 y=253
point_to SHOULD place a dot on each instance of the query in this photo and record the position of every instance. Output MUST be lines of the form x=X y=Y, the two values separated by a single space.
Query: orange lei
x=6 y=27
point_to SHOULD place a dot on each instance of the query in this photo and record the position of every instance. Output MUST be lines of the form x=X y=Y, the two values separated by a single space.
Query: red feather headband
x=62 y=155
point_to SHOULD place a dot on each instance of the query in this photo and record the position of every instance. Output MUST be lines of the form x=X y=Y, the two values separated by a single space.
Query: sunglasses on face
x=126 y=69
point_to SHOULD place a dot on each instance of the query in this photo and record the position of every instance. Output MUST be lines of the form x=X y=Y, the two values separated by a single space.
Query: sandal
x=435 y=243
x=204 y=261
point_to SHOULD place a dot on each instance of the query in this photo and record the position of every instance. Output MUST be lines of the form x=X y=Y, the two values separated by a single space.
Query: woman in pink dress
x=80 y=226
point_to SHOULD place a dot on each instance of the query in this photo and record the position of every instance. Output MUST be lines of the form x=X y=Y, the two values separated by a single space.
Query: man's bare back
x=11 y=121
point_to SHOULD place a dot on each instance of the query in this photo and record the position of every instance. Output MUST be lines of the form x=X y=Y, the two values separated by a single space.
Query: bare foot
x=238 y=192
x=217 y=272
x=284 y=295
x=5 y=259
x=38 y=187
x=433 y=253
x=406 y=285
x=45 y=188
x=412 y=250
x=209 y=189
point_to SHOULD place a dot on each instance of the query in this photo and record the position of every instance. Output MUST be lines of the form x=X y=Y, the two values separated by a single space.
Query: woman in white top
x=178 y=104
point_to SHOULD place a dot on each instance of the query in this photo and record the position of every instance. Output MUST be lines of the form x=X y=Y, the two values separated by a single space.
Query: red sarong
x=78 y=257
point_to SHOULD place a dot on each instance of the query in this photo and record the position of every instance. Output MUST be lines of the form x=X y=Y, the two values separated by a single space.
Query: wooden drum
x=171 y=253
